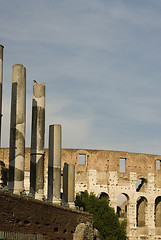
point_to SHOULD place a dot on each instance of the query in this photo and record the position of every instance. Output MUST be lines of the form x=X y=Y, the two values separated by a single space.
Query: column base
x=39 y=196
x=57 y=201
x=68 y=204
x=71 y=205
x=16 y=187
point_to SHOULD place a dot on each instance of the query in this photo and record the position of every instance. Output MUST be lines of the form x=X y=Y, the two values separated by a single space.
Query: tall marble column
x=37 y=141
x=54 y=164
x=1 y=82
x=17 y=130
x=69 y=184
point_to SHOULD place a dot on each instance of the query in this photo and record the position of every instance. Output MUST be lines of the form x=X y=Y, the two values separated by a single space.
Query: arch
x=103 y=195
x=141 y=185
x=122 y=205
x=158 y=211
x=141 y=212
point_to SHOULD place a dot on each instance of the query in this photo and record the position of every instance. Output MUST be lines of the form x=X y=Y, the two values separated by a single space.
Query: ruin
x=69 y=184
x=114 y=173
x=37 y=141
x=25 y=218
x=102 y=172
x=130 y=181
x=54 y=164
x=17 y=129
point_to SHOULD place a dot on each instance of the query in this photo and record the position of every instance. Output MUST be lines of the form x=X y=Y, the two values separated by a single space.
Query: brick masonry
x=100 y=173
x=25 y=215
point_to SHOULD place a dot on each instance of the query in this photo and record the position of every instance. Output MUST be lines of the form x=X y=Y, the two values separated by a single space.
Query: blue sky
x=101 y=63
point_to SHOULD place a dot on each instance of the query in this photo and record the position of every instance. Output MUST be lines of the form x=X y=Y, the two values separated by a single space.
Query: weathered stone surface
x=69 y=184
x=84 y=231
x=17 y=129
x=54 y=164
x=29 y=216
x=96 y=234
x=101 y=173
x=37 y=141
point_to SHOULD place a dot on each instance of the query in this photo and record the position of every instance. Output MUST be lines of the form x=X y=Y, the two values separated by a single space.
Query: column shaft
x=69 y=184
x=54 y=164
x=37 y=141
x=1 y=82
x=17 y=129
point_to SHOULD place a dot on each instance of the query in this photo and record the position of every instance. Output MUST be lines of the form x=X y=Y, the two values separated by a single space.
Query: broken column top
x=17 y=64
x=18 y=73
x=38 y=89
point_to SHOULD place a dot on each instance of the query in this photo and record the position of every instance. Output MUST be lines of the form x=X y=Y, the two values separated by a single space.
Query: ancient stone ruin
x=12 y=175
x=130 y=181
x=17 y=146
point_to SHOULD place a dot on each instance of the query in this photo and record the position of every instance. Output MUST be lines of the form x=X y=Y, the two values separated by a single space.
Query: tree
x=105 y=220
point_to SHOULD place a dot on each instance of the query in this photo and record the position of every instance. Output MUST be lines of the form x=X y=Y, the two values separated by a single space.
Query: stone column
x=17 y=130
x=131 y=216
x=151 y=216
x=54 y=164
x=69 y=184
x=1 y=82
x=37 y=141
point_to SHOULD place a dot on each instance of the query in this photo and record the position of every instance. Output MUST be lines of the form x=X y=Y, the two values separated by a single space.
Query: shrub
x=105 y=220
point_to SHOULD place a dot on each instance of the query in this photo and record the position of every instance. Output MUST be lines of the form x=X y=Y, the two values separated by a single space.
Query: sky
x=100 y=61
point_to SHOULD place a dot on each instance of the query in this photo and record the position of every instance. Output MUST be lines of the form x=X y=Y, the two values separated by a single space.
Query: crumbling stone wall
x=100 y=172
x=24 y=215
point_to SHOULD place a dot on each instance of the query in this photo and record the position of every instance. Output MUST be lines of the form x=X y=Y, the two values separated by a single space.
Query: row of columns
x=17 y=143
x=54 y=171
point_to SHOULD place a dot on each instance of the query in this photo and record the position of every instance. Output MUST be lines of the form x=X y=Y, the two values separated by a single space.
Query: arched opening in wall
x=158 y=211
x=122 y=205
x=141 y=212
x=103 y=195
x=141 y=185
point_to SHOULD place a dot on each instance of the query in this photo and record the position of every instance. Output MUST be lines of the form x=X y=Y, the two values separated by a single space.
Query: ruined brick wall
x=99 y=171
x=138 y=181
x=18 y=214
